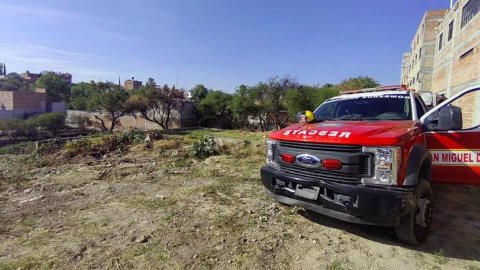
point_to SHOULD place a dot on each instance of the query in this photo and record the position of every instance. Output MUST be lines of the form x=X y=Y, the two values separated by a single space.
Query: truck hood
x=367 y=133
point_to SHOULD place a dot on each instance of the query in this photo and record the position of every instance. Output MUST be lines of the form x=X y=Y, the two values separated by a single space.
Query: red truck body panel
x=456 y=157
x=365 y=133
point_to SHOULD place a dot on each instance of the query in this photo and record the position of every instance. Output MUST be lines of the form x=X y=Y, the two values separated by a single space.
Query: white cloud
x=35 y=12
x=36 y=58
x=54 y=16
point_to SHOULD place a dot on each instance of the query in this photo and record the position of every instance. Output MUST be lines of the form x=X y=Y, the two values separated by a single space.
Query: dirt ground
x=158 y=208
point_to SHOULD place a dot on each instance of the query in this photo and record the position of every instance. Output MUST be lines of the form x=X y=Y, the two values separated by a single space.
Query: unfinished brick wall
x=29 y=100
x=470 y=105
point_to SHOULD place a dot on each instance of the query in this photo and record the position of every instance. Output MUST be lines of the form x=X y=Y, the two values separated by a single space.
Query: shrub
x=49 y=147
x=50 y=122
x=17 y=149
x=110 y=143
x=28 y=128
x=81 y=146
x=8 y=128
x=80 y=121
x=133 y=136
x=205 y=148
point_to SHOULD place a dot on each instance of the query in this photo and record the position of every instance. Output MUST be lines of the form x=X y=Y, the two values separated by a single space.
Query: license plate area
x=310 y=193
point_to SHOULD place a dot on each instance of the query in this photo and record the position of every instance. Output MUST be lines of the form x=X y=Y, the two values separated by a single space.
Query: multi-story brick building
x=445 y=54
x=132 y=84
x=457 y=50
x=417 y=65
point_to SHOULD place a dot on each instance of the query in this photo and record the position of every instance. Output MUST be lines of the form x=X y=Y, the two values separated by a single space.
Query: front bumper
x=351 y=203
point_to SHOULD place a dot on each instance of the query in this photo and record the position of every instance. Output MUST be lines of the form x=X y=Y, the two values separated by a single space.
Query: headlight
x=271 y=151
x=386 y=164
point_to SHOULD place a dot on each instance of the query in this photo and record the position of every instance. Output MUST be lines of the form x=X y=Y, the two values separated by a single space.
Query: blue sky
x=220 y=43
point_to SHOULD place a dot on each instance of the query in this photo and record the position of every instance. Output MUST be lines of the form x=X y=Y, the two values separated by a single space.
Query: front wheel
x=415 y=226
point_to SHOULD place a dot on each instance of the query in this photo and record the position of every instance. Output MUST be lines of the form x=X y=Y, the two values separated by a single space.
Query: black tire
x=409 y=230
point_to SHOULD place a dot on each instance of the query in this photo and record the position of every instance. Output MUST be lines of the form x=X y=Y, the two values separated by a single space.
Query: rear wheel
x=415 y=226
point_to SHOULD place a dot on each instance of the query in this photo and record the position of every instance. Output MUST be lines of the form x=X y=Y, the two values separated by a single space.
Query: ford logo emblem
x=308 y=161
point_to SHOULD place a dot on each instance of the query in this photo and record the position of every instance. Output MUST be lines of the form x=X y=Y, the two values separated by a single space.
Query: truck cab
x=371 y=158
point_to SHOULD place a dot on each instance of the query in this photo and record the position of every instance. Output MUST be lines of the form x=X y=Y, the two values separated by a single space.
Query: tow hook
x=424 y=215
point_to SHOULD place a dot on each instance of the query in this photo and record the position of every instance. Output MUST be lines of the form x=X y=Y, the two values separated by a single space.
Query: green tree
x=199 y=92
x=80 y=95
x=357 y=83
x=56 y=88
x=300 y=99
x=151 y=82
x=108 y=99
x=244 y=105
x=155 y=104
x=215 y=104
x=325 y=92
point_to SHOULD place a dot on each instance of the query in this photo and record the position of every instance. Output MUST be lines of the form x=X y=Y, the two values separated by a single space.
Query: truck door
x=453 y=138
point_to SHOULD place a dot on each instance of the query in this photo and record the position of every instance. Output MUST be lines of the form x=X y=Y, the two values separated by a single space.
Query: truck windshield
x=371 y=107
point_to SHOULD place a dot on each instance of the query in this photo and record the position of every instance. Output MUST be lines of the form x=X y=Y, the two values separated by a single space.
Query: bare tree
x=274 y=93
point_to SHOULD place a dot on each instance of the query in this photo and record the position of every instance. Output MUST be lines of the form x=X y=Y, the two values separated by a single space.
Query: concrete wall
x=6 y=114
x=61 y=107
x=182 y=116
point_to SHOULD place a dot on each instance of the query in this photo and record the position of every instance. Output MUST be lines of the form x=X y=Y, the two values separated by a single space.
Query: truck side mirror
x=447 y=118
x=450 y=118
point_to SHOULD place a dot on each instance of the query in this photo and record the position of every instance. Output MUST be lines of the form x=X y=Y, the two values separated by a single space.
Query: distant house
x=30 y=77
x=21 y=104
x=132 y=84
x=33 y=77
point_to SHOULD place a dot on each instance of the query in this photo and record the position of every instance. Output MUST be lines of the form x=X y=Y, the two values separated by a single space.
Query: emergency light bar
x=379 y=88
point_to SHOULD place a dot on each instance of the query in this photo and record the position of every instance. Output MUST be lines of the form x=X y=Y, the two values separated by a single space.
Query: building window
x=450 y=31
x=420 y=53
x=465 y=54
x=440 y=41
x=418 y=76
x=469 y=11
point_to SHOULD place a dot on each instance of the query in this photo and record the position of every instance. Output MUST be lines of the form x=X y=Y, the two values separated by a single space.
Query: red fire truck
x=371 y=157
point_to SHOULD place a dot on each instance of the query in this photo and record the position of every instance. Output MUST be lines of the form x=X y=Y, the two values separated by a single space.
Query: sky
x=219 y=43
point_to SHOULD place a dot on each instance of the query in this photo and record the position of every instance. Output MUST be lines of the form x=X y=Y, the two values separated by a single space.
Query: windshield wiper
x=350 y=118
x=318 y=120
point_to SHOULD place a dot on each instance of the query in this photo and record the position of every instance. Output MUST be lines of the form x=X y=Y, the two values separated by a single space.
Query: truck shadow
x=455 y=232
